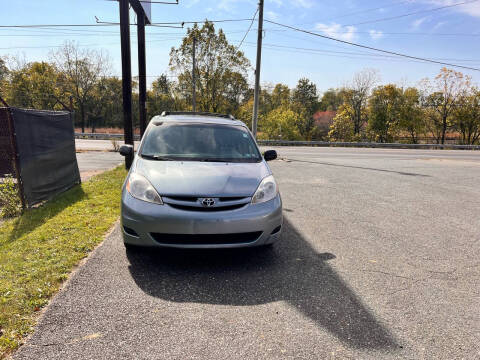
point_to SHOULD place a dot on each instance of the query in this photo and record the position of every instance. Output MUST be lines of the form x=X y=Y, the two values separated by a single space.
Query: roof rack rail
x=225 y=116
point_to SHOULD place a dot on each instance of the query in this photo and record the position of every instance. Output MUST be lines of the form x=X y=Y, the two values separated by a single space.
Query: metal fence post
x=14 y=150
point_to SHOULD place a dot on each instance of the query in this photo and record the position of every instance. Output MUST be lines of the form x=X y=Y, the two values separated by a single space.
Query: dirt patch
x=85 y=175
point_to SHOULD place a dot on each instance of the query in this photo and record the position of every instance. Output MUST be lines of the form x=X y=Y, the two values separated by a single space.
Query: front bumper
x=141 y=219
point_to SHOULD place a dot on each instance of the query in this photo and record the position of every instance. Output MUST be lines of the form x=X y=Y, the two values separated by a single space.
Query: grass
x=39 y=249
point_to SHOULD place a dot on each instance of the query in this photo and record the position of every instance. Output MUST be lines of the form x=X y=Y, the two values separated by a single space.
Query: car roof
x=197 y=118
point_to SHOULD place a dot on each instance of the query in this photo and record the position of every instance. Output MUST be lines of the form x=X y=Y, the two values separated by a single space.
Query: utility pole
x=257 y=68
x=194 y=90
x=126 y=76
x=142 y=73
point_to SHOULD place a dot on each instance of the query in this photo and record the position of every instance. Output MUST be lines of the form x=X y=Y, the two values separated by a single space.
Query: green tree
x=305 y=102
x=342 y=128
x=280 y=95
x=265 y=102
x=467 y=117
x=3 y=70
x=442 y=96
x=80 y=70
x=384 y=112
x=34 y=86
x=411 y=115
x=220 y=72
x=105 y=105
x=245 y=113
x=356 y=97
x=280 y=123
x=162 y=85
x=331 y=100
x=236 y=89
x=160 y=98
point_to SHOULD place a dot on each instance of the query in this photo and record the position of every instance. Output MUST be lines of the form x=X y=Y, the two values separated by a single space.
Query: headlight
x=266 y=191
x=140 y=188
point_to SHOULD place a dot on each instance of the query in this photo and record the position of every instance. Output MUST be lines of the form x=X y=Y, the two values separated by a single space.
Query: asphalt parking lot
x=378 y=260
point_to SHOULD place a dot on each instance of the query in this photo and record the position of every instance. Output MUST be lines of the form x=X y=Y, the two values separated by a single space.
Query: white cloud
x=439 y=25
x=228 y=5
x=276 y=2
x=417 y=23
x=338 y=31
x=272 y=15
x=376 y=34
x=190 y=3
x=307 y=4
x=472 y=9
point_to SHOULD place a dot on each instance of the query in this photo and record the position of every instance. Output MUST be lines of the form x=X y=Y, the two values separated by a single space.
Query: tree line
x=362 y=110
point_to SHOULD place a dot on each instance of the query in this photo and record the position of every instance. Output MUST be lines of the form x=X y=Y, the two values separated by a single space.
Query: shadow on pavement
x=358 y=167
x=292 y=271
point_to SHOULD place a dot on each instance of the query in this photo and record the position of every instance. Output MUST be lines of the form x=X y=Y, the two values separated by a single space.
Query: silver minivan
x=198 y=180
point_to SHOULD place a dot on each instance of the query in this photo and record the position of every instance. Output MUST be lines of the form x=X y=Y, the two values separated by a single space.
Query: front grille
x=206 y=239
x=191 y=203
x=223 y=199
x=205 y=209
x=183 y=198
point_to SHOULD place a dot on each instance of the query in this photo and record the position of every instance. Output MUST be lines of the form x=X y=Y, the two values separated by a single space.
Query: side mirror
x=270 y=155
x=126 y=150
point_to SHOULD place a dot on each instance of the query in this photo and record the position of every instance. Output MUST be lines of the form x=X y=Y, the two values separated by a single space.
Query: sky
x=449 y=34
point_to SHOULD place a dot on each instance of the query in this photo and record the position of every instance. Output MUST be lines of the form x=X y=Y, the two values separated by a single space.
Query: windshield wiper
x=157 y=157
x=213 y=160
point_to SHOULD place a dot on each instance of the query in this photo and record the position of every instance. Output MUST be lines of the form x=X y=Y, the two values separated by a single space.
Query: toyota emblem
x=208 y=202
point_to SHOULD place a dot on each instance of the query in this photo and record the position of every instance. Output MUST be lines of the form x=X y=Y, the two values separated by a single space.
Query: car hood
x=193 y=178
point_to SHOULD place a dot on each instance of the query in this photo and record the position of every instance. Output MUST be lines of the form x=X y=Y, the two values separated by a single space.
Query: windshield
x=200 y=142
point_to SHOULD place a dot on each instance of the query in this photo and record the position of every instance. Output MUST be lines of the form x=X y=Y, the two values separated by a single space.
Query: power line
x=115 y=24
x=371 y=48
x=372 y=9
x=410 y=33
x=154 y=2
x=372 y=58
x=244 y=36
x=55 y=31
x=201 y=21
x=393 y=33
x=359 y=12
x=356 y=53
x=52 y=25
x=278 y=47
x=412 y=13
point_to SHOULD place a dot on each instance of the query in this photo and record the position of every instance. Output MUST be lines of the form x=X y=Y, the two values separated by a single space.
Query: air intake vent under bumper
x=206 y=239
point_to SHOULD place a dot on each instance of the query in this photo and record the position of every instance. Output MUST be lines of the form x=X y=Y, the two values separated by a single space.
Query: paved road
x=96 y=145
x=94 y=162
x=378 y=260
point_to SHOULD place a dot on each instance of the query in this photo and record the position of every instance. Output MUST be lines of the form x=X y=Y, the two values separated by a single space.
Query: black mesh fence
x=7 y=159
x=46 y=153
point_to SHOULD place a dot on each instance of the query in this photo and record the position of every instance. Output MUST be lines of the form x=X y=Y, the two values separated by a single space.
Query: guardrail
x=99 y=136
x=367 y=145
